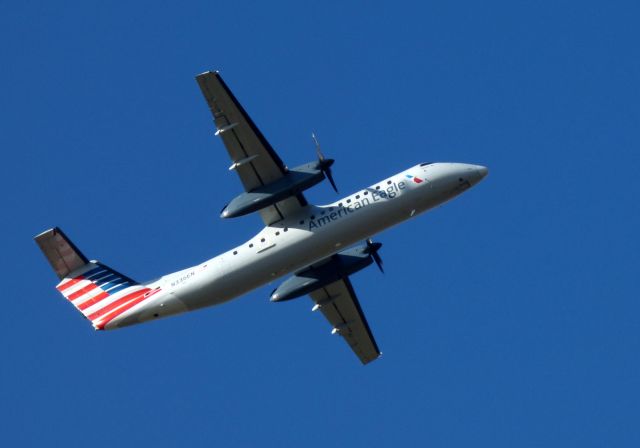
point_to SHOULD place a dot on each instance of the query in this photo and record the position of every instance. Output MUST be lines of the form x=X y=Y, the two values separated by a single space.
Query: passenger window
x=251 y=245
x=262 y=240
x=277 y=233
x=235 y=252
x=366 y=193
x=348 y=201
x=358 y=196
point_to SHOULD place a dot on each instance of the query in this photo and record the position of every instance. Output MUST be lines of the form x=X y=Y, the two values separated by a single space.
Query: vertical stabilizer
x=62 y=254
x=100 y=293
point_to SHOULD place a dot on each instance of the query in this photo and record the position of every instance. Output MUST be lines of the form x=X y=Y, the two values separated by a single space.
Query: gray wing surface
x=340 y=306
x=252 y=157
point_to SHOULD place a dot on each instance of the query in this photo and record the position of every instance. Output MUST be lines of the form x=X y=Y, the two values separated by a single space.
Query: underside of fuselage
x=316 y=233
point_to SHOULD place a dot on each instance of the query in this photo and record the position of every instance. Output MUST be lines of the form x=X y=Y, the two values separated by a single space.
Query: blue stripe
x=112 y=284
x=119 y=288
x=108 y=279
x=99 y=275
x=92 y=271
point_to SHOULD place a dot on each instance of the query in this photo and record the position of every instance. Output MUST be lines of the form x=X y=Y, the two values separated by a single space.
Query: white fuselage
x=314 y=233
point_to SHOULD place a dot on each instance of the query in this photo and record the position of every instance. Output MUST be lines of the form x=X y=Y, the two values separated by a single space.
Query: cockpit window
x=428 y=163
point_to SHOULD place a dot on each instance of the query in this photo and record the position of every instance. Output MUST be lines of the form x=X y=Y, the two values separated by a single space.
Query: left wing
x=339 y=304
x=252 y=157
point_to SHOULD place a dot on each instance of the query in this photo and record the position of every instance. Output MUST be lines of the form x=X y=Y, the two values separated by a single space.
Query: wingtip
x=370 y=360
x=208 y=72
x=47 y=232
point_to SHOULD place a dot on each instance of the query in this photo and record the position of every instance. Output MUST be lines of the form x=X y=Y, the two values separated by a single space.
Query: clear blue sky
x=509 y=317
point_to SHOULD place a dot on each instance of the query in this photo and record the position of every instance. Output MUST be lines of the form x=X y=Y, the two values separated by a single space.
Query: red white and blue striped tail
x=97 y=291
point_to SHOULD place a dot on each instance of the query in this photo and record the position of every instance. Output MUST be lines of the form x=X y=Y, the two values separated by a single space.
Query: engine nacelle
x=311 y=278
x=295 y=181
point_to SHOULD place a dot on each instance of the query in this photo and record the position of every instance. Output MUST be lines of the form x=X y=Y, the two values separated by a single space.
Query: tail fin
x=63 y=256
x=97 y=291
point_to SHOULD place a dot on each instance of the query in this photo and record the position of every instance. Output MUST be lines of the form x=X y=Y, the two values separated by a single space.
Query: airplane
x=317 y=244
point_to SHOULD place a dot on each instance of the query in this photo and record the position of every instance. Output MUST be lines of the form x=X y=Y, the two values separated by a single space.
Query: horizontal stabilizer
x=62 y=254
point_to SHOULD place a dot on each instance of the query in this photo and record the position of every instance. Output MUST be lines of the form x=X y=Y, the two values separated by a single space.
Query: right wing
x=339 y=304
x=252 y=157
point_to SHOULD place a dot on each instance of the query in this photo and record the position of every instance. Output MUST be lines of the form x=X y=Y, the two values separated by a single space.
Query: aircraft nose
x=477 y=173
x=482 y=171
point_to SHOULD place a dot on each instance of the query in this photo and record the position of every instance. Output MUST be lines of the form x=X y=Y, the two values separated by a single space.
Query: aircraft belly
x=225 y=278
x=303 y=247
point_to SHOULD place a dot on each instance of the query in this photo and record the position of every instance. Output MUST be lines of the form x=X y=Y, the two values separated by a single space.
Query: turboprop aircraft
x=314 y=243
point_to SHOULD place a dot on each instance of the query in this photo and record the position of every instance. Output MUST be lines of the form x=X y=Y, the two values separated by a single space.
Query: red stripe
x=82 y=291
x=93 y=300
x=70 y=283
x=116 y=304
x=109 y=317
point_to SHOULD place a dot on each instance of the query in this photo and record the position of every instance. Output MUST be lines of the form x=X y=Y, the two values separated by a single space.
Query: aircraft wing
x=252 y=157
x=339 y=304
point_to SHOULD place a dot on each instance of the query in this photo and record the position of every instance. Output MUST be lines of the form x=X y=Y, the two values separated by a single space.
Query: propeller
x=324 y=164
x=372 y=249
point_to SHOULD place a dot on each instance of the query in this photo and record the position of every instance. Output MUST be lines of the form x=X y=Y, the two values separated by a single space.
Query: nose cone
x=480 y=172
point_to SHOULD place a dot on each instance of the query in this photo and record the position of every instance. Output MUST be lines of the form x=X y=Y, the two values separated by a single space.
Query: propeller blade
x=378 y=261
x=329 y=175
x=318 y=150
x=324 y=164
x=373 y=249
